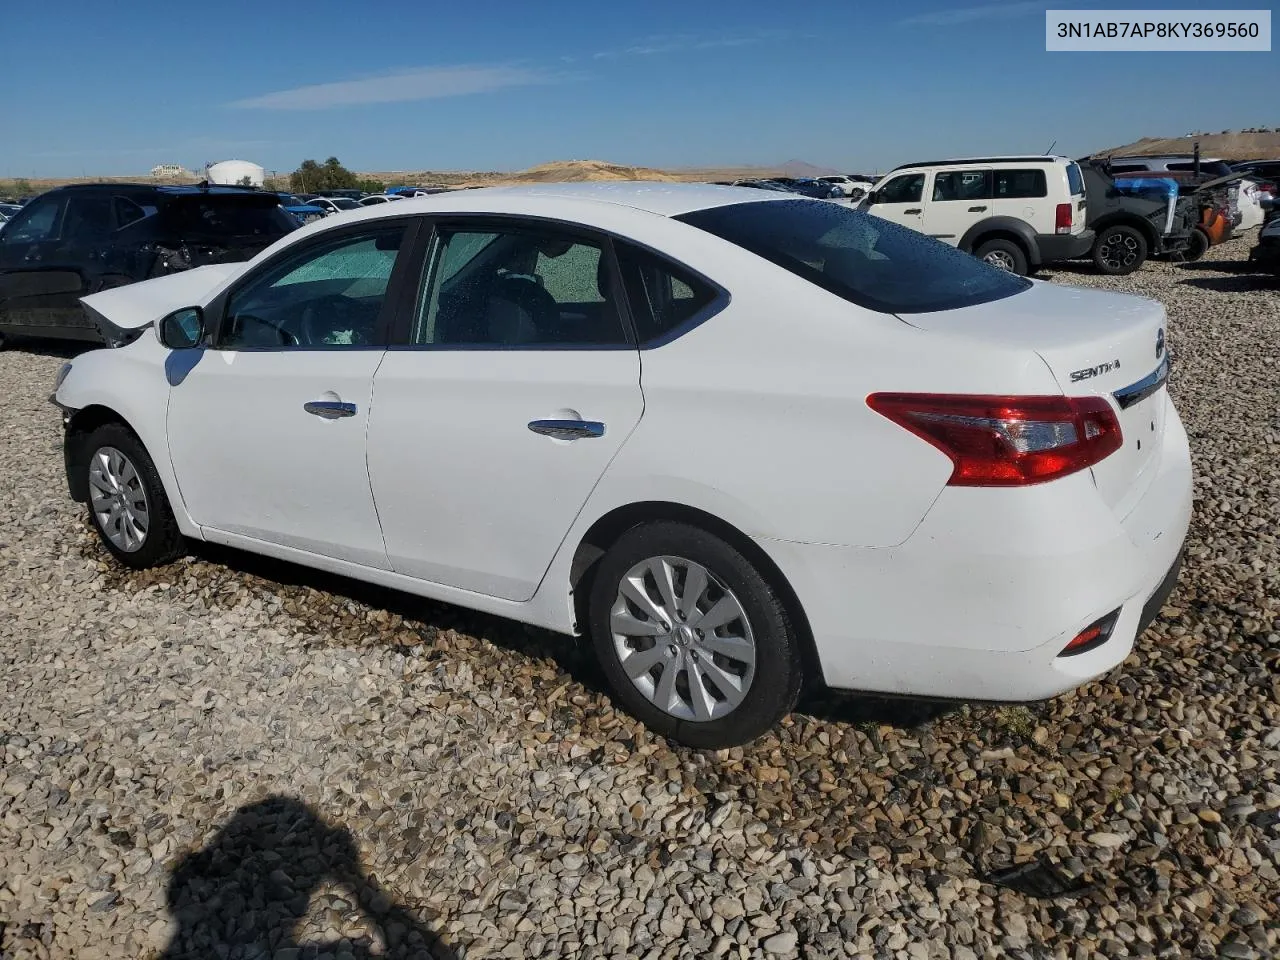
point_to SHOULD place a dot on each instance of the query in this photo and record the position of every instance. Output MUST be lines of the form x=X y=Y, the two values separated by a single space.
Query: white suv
x=1013 y=212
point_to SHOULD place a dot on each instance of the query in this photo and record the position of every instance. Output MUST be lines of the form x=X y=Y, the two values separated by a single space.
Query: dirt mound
x=562 y=171
x=1258 y=145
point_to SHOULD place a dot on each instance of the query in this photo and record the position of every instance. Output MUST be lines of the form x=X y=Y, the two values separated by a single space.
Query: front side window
x=962 y=185
x=663 y=296
x=1020 y=184
x=328 y=295
x=905 y=189
x=533 y=288
x=864 y=259
x=39 y=220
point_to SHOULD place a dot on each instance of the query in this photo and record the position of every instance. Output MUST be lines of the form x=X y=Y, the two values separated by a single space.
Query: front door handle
x=914 y=210
x=329 y=409
x=567 y=429
x=976 y=209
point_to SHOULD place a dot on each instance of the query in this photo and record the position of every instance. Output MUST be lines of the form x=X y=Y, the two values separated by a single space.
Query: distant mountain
x=1260 y=145
x=801 y=168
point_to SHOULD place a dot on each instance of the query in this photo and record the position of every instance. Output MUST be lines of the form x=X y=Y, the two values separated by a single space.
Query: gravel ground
x=236 y=758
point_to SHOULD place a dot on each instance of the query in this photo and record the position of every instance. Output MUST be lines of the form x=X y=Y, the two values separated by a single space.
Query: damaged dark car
x=78 y=240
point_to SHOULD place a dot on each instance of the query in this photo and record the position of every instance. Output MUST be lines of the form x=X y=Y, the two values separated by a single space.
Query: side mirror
x=182 y=329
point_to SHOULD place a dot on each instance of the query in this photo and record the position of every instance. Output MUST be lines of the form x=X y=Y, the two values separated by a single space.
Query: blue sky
x=95 y=88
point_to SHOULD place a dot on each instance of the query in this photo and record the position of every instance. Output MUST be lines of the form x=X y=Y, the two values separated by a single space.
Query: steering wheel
x=326 y=315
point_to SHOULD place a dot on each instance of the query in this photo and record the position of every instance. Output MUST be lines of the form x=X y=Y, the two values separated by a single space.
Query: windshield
x=226 y=216
x=866 y=260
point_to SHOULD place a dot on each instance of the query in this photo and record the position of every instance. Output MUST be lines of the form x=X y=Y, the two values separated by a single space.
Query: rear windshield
x=871 y=262
x=226 y=216
x=1074 y=180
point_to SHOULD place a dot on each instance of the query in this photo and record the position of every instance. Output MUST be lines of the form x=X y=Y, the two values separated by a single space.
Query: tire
x=756 y=658
x=113 y=459
x=1197 y=247
x=1119 y=250
x=1004 y=255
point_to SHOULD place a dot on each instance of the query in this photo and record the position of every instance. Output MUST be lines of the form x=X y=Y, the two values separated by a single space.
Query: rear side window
x=127 y=211
x=962 y=185
x=866 y=260
x=663 y=296
x=1020 y=184
x=1074 y=179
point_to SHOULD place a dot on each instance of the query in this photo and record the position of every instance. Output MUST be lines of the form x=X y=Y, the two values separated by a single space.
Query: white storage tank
x=233 y=173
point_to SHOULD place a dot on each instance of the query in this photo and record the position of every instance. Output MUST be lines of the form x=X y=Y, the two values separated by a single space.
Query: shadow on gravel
x=248 y=891
x=1239 y=283
x=424 y=617
x=65 y=349
x=901 y=713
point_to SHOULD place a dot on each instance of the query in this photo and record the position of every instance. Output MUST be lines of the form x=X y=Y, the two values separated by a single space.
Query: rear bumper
x=980 y=600
x=1064 y=246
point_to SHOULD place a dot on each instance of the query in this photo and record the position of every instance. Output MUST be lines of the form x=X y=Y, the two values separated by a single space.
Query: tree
x=245 y=181
x=330 y=175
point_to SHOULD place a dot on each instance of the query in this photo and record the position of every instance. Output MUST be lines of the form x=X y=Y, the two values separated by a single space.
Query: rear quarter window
x=1020 y=184
x=863 y=259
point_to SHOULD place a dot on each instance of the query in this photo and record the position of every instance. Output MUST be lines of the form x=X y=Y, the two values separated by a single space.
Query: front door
x=901 y=200
x=516 y=386
x=267 y=429
x=38 y=290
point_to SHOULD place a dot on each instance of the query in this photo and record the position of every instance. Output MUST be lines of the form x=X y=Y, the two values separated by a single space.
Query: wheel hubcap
x=683 y=638
x=118 y=499
x=1000 y=258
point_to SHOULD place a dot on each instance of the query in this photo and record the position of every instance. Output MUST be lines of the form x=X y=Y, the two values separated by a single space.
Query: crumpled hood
x=136 y=305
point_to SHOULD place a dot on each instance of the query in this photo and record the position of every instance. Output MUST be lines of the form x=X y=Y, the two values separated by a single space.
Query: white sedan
x=743 y=441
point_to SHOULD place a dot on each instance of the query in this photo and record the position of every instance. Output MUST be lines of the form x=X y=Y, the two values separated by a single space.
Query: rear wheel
x=1119 y=250
x=1198 y=245
x=1004 y=254
x=127 y=503
x=694 y=640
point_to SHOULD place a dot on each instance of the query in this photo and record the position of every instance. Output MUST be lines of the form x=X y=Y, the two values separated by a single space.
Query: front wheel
x=693 y=638
x=1003 y=254
x=127 y=503
x=1119 y=251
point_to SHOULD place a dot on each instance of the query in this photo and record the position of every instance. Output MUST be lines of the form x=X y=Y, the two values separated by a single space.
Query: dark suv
x=75 y=241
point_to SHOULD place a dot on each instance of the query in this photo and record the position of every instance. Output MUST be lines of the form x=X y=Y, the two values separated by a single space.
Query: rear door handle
x=976 y=209
x=914 y=210
x=329 y=409
x=567 y=429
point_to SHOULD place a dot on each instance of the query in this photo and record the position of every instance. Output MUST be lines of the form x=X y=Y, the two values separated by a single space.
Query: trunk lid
x=1095 y=344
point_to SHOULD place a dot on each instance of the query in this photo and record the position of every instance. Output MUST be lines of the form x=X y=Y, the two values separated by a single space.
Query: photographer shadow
x=249 y=890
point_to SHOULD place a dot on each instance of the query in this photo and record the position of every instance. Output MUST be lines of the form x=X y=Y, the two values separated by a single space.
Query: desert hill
x=1255 y=145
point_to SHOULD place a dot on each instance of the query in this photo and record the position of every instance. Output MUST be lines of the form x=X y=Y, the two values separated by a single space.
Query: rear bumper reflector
x=1092 y=636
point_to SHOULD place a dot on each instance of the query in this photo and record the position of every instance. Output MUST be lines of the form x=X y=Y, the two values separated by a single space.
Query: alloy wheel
x=1000 y=258
x=1119 y=250
x=118 y=499
x=683 y=638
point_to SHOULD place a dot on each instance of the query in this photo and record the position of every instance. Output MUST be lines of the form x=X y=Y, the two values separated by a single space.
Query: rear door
x=959 y=199
x=1022 y=193
x=900 y=199
x=516 y=383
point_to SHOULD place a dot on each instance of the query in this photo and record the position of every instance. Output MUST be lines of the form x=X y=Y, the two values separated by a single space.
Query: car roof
x=659 y=197
x=1044 y=158
x=166 y=189
x=1164 y=158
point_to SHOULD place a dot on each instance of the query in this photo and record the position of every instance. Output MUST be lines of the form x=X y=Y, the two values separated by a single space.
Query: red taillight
x=1062 y=218
x=1007 y=441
